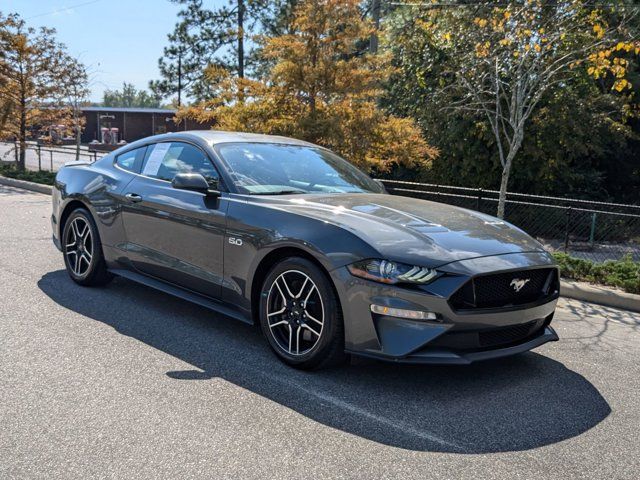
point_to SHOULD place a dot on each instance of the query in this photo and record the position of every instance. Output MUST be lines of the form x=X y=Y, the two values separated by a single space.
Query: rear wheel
x=300 y=315
x=82 y=250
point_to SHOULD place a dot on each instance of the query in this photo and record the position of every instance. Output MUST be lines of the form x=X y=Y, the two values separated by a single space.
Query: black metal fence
x=40 y=157
x=596 y=231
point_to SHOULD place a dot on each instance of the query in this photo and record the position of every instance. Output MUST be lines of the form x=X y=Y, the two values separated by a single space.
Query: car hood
x=411 y=230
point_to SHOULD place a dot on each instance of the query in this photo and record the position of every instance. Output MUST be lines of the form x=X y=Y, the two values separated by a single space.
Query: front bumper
x=444 y=356
x=455 y=337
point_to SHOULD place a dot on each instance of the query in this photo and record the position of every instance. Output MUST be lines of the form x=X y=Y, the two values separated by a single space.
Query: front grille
x=504 y=290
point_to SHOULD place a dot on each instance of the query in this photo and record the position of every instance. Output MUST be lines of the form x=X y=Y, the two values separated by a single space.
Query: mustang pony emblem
x=518 y=283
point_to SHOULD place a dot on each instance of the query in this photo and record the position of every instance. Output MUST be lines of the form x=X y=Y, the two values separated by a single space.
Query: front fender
x=263 y=230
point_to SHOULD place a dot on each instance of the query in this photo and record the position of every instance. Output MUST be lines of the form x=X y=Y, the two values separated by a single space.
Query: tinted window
x=132 y=159
x=263 y=168
x=165 y=160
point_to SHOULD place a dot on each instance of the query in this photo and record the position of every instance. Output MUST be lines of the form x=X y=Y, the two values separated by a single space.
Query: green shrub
x=624 y=274
x=46 y=178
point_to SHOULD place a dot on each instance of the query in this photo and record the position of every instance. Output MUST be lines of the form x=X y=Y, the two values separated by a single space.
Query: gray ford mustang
x=286 y=234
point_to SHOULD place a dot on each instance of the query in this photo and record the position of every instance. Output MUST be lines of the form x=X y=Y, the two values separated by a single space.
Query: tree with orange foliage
x=322 y=88
x=35 y=77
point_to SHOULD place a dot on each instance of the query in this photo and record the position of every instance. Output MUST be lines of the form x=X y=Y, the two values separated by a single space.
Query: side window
x=131 y=160
x=165 y=160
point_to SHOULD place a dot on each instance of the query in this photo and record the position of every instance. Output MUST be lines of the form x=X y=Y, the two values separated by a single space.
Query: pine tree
x=323 y=88
x=203 y=37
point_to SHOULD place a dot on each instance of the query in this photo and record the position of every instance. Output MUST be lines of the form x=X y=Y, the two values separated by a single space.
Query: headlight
x=391 y=272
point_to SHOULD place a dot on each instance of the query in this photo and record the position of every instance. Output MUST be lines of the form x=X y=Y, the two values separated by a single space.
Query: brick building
x=132 y=123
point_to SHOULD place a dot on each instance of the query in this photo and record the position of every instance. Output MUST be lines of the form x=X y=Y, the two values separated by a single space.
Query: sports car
x=288 y=236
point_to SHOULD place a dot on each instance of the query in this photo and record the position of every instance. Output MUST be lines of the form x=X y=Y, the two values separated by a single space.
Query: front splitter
x=443 y=356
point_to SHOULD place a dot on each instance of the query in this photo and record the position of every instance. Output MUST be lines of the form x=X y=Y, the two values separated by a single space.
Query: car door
x=172 y=234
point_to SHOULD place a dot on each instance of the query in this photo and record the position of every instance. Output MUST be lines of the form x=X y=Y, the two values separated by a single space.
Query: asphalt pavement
x=127 y=382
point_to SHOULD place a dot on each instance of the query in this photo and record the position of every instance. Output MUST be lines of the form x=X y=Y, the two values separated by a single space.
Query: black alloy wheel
x=82 y=250
x=300 y=315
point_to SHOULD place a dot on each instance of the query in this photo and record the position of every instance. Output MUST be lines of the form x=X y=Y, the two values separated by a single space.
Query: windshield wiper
x=282 y=192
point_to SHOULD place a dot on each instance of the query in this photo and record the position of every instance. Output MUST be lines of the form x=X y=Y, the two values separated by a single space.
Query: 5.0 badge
x=235 y=241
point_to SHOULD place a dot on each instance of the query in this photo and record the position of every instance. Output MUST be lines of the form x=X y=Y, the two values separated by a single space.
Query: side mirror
x=195 y=183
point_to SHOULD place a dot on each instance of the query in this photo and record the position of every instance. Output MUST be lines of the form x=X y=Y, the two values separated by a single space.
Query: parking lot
x=126 y=382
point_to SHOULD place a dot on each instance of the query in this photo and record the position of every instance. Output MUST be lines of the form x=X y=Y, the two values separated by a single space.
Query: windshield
x=272 y=168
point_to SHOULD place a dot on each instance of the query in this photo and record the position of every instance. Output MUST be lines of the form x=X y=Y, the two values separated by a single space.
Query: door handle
x=133 y=197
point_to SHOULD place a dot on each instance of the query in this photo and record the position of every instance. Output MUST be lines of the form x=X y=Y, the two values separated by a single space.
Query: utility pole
x=375 y=15
x=179 y=77
x=241 y=38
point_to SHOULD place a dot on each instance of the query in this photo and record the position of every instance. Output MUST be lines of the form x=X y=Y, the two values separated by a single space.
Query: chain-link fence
x=596 y=231
x=50 y=158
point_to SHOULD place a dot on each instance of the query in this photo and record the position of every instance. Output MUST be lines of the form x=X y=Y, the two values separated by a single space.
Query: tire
x=300 y=315
x=82 y=250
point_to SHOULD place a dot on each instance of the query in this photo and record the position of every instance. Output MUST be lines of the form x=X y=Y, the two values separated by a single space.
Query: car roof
x=215 y=137
x=212 y=137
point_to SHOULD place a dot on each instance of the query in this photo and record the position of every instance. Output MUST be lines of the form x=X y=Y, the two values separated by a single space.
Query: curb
x=586 y=292
x=32 y=186
x=608 y=297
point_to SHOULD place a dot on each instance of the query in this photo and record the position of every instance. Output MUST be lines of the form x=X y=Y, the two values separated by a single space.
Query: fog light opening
x=402 y=313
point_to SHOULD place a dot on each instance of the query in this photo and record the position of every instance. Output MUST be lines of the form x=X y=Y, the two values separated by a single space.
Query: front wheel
x=300 y=315
x=82 y=250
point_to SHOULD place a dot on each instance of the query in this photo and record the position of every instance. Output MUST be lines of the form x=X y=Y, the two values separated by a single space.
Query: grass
x=46 y=178
x=623 y=274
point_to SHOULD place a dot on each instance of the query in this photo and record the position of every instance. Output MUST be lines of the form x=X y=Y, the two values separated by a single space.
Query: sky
x=118 y=40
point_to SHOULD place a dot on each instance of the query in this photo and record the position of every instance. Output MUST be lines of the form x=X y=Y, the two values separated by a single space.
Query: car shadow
x=514 y=404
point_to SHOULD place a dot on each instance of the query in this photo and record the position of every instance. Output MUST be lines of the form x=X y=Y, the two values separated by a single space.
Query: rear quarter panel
x=99 y=188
